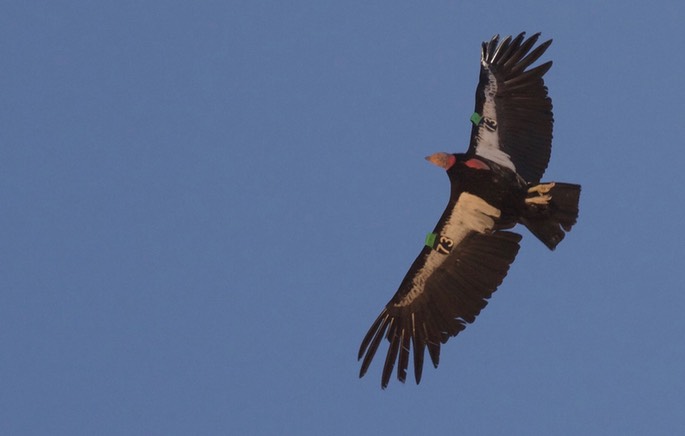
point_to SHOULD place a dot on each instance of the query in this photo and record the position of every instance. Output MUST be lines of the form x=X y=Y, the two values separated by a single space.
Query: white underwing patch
x=488 y=142
x=470 y=214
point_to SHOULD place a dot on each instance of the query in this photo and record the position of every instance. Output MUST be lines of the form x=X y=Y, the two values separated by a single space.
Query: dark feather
x=376 y=332
x=419 y=344
x=392 y=353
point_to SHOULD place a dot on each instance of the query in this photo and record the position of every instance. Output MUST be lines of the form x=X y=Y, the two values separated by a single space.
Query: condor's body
x=494 y=186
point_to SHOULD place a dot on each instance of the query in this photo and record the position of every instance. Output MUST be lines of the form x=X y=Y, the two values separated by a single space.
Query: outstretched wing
x=460 y=267
x=512 y=123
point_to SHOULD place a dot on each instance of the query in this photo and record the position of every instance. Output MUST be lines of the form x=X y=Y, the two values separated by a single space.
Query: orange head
x=443 y=160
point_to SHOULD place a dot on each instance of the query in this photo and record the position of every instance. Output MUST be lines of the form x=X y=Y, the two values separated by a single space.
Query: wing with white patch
x=446 y=287
x=512 y=122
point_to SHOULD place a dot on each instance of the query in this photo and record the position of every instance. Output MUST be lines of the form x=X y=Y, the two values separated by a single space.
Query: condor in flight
x=494 y=185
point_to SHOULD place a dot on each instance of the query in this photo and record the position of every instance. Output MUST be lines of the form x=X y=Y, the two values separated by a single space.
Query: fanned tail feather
x=550 y=222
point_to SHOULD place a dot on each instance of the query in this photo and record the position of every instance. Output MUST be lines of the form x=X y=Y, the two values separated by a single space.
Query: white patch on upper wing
x=488 y=141
x=470 y=214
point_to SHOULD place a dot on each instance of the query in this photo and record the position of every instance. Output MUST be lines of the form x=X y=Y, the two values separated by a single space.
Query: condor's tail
x=551 y=211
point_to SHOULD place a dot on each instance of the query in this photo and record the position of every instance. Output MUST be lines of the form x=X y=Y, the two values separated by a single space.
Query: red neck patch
x=476 y=164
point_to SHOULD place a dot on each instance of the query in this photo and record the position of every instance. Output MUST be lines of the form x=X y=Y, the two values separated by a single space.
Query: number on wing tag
x=441 y=244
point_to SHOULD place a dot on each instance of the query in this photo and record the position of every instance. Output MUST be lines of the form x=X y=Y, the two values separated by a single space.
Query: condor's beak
x=443 y=160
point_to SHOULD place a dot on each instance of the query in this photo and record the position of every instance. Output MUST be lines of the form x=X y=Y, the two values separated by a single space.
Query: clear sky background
x=205 y=204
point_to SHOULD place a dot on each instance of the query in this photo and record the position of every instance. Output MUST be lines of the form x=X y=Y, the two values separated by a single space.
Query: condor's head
x=442 y=159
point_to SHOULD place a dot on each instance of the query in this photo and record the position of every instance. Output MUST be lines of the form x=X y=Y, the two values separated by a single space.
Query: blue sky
x=204 y=205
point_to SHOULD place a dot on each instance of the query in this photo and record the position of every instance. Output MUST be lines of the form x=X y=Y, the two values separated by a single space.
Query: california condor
x=494 y=186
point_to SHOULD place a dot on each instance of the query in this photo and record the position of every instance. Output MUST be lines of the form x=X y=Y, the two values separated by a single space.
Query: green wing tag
x=443 y=246
x=476 y=118
x=430 y=240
